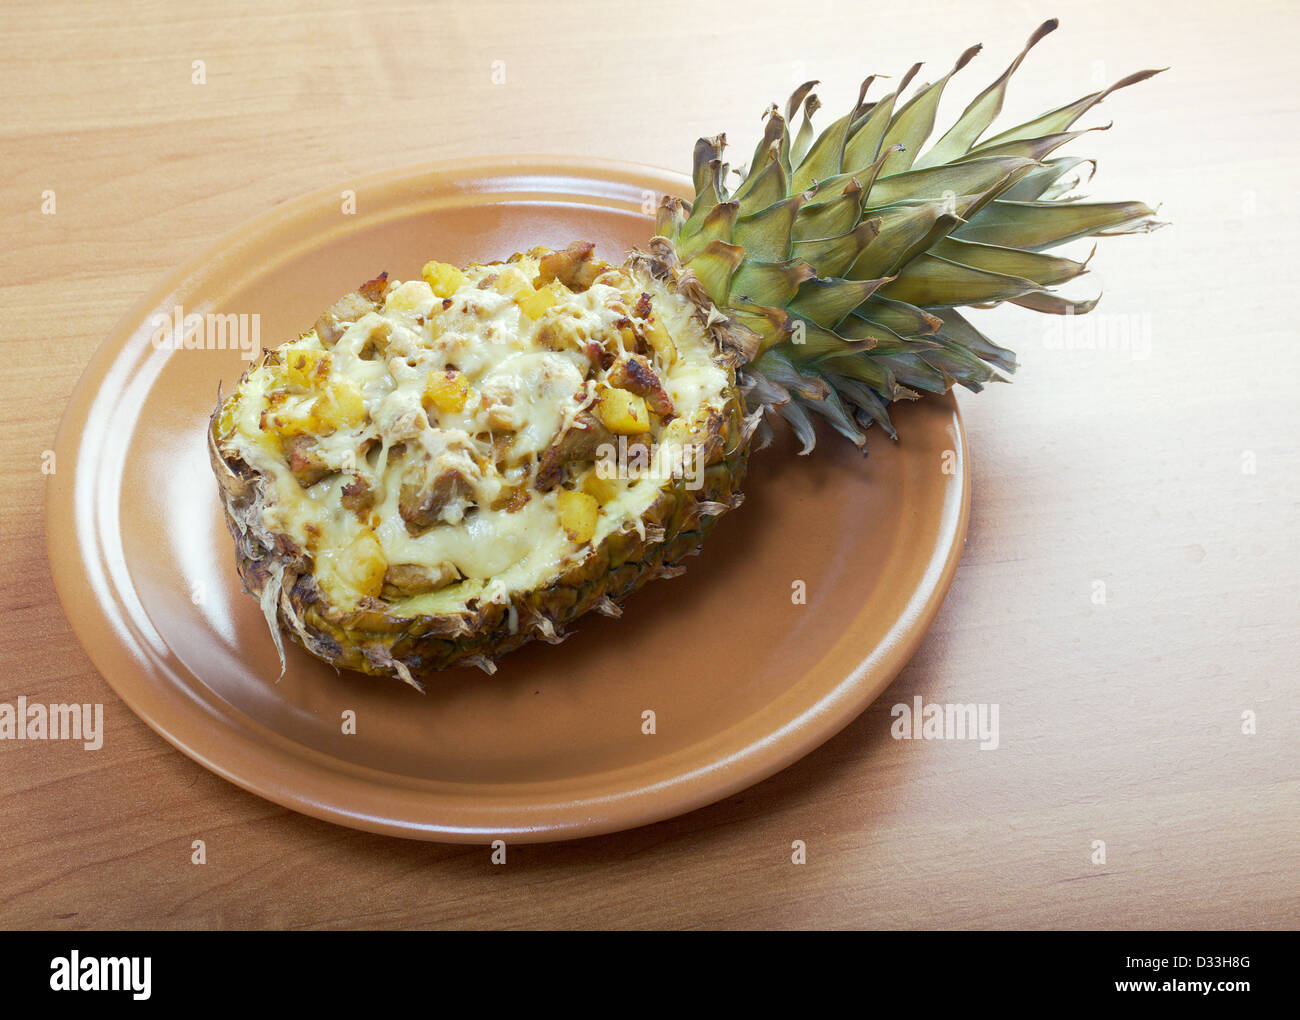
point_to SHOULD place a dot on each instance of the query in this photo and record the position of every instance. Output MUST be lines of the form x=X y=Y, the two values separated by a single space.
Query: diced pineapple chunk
x=677 y=432
x=603 y=490
x=290 y=416
x=658 y=338
x=408 y=296
x=363 y=564
x=535 y=304
x=444 y=278
x=623 y=413
x=437 y=322
x=578 y=514
x=513 y=283
x=559 y=333
x=306 y=368
x=341 y=405
x=447 y=391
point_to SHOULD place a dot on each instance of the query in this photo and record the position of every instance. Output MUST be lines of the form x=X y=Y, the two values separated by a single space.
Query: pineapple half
x=444 y=469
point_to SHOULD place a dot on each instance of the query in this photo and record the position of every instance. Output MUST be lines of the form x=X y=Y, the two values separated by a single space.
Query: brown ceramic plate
x=742 y=679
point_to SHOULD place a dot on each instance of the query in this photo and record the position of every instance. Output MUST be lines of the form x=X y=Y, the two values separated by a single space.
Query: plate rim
x=715 y=780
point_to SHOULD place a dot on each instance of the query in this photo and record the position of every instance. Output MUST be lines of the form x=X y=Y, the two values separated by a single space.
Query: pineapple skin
x=413 y=648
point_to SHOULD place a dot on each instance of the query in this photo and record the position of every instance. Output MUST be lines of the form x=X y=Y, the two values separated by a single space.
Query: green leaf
x=912 y=124
x=906 y=230
x=773 y=325
x=670 y=216
x=708 y=195
x=717 y=226
x=826 y=302
x=1062 y=117
x=1039 y=182
x=801 y=424
x=714 y=267
x=764 y=188
x=832 y=217
x=975 y=120
x=869 y=131
x=805 y=136
x=1044 y=270
x=765 y=235
x=957 y=329
x=862 y=396
x=898 y=355
x=865 y=178
x=826 y=156
x=707 y=150
x=911 y=369
x=931 y=282
x=830 y=256
x=865 y=369
x=1031 y=148
x=768 y=148
x=797 y=97
x=781 y=370
x=1054 y=304
x=904 y=319
x=841 y=419
x=809 y=341
x=1038 y=225
x=984 y=177
x=770 y=283
x=961 y=365
x=866 y=134
x=854 y=327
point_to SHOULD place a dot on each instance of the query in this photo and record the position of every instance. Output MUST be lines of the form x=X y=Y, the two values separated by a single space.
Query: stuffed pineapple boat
x=446 y=468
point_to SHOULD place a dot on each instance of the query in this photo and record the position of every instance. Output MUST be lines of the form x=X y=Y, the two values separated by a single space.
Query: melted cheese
x=520 y=395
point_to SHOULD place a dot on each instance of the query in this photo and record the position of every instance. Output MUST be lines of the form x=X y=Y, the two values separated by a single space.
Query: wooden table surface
x=1130 y=585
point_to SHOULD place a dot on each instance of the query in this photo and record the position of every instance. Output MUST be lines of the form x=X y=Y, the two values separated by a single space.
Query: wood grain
x=1173 y=479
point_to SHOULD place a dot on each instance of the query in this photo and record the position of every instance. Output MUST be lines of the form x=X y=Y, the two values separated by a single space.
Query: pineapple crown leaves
x=840 y=258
